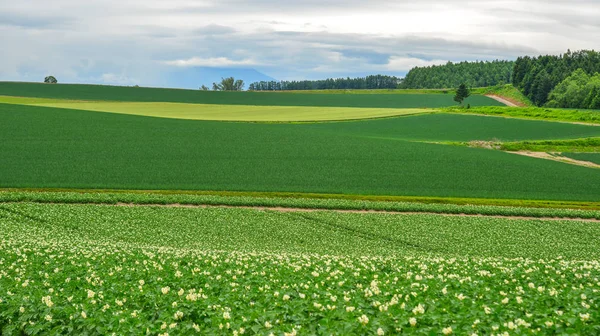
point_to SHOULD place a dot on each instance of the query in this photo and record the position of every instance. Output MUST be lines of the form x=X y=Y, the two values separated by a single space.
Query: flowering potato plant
x=56 y=280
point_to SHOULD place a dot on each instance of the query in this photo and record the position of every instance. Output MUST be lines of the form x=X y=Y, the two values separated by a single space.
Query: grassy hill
x=138 y=94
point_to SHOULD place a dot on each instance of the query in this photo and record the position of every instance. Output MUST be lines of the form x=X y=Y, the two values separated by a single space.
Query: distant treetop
x=50 y=80
x=227 y=84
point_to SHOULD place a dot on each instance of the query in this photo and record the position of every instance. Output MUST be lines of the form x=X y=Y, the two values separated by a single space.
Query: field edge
x=483 y=206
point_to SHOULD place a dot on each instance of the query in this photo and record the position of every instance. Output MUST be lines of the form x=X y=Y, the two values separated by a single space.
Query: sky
x=150 y=42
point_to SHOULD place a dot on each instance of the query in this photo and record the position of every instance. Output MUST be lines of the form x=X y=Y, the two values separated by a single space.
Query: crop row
x=300 y=203
x=84 y=269
x=320 y=232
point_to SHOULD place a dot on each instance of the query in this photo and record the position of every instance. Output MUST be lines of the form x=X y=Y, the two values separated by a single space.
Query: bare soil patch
x=557 y=157
x=506 y=101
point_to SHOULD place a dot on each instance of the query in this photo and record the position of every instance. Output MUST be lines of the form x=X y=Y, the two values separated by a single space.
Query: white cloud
x=397 y=63
x=210 y=62
x=143 y=39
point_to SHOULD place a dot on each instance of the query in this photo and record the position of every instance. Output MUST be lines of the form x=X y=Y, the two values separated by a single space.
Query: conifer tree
x=462 y=93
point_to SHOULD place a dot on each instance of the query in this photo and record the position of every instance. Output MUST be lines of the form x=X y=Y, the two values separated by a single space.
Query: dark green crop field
x=132 y=94
x=457 y=127
x=54 y=148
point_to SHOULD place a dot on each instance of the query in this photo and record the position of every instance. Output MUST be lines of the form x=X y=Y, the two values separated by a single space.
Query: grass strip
x=575 y=145
x=536 y=113
x=326 y=202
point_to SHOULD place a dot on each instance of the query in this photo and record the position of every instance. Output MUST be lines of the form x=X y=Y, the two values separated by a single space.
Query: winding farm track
x=505 y=101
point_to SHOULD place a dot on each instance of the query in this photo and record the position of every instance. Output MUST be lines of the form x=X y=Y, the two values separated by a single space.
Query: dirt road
x=505 y=101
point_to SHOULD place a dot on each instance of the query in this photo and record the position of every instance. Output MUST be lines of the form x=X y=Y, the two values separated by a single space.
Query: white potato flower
x=363 y=319
x=419 y=309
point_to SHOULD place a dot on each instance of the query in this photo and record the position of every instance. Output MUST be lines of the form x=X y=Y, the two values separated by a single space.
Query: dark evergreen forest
x=451 y=75
x=369 y=82
x=537 y=77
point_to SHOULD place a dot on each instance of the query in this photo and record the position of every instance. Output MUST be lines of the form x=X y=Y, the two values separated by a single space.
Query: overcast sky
x=139 y=41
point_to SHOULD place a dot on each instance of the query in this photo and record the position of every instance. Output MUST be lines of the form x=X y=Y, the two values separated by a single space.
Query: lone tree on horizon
x=50 y=80
x=229 y=84
x=462 y=93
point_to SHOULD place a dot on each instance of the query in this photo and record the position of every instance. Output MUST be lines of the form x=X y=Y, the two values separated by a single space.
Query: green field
x=121 y=214
x=532 y=209
x=320 y=232
x=219 y=112
x=371 y=91
x=132 y=94
x=59 y=148
x=86 y=269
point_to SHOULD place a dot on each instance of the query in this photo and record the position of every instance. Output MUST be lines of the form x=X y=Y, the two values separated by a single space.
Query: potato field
x=146 y=211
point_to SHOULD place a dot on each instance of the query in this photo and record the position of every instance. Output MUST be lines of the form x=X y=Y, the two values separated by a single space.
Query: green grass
x=132 y=94
x=579 y=116
x=219 y=112
x=591 y=157
x=57 y=148
x=291 y=199
x=84 y=269
x=429 y=205
x=574 y=145
x=506 y=91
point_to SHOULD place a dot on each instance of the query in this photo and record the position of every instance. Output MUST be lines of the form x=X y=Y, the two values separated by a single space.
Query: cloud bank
x=139 y=42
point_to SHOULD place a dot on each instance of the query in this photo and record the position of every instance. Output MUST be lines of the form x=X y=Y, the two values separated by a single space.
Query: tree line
x=537 y=77
x=451 y=75
x=368 y=82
